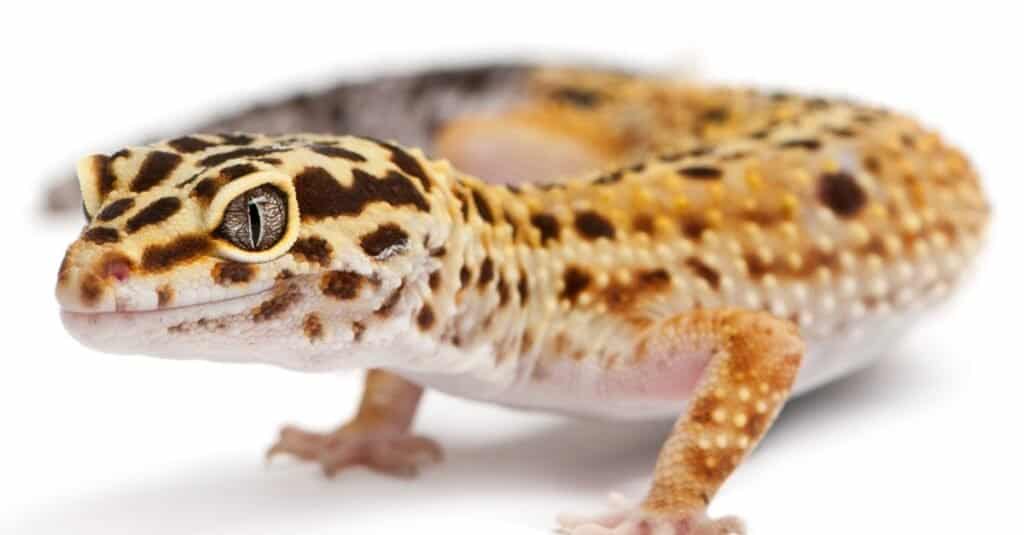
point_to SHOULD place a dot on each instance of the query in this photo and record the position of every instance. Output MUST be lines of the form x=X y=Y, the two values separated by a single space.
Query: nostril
x=118 y=269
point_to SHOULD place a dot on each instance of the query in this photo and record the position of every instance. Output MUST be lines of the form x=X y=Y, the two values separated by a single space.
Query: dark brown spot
x=388 y=240
x=277 y=305
x=320 y=195
x=236 y=171
x=91 y=289
x=482 y=207
x=236 y=139
x=434 y=281
x=341 y=284
x=576 y=96
x=358 y=328
x=486 y=272
x=502 y=292
x=115 y=209
x=189 y=144
x=156 y=212
x=576 y=280
x=313 y=327
x=609 y=178
x=808 y=144
x=841 y=194
x=523 y=287
x=165 y=256
x=164 y=296
x=205 y=189
x=155 y=168
x=313 y=249
x=701 y=172
x=756 y=267
x=693 y=227
x=425 y=317
x=105 y=178
x=214 y=160
x=101 y=235
x=547 y=225
x=464 y=276
x=704 y=271
x=228 y=273
x=592 y=225
x=285 y=274
x=337 y=152
x=653 y=278
x=872 y=163
x=439 y=252
x=406 y=162
x=643 y=223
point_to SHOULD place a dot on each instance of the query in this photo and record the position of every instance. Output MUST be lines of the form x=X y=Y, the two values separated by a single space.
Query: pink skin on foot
x=381 y=449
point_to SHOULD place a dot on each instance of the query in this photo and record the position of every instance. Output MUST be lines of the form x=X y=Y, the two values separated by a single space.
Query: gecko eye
x=256 y=219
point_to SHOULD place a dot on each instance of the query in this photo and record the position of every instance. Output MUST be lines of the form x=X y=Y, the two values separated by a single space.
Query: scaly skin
x=730 y=247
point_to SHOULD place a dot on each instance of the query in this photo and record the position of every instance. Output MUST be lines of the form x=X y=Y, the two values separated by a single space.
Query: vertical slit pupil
x=255 y=227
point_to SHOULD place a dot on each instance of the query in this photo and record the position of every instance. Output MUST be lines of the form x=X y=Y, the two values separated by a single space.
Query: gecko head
x=304 y=251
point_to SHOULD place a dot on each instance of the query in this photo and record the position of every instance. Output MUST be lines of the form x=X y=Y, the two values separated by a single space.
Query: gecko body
x=595 y=243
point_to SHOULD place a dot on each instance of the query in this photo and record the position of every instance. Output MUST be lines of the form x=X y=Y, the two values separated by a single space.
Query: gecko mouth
x=123 y=312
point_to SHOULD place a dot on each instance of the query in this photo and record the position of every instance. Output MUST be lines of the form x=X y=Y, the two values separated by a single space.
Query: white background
x=928 y=441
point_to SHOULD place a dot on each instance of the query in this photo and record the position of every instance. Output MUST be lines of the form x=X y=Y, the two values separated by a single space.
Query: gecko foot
x=381 y=449
x=624 y=519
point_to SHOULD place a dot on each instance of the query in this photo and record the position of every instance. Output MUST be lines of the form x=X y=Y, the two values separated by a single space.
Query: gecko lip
x=171 y=309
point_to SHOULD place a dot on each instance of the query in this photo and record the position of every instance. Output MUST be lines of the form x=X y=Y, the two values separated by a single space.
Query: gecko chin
x=275 y=326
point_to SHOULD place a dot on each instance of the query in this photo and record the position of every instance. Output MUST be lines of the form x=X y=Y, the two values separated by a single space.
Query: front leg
x=377 y=437
x=753 y=359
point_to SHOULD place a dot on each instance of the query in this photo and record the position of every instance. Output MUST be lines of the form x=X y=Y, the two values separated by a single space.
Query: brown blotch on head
x=575 y=280
x=155 y=213
x=341 y=284
x=425 y=317
x=164 y=296
x=105 y=178
x=235 y=139
x=313 y=327
x=388 y=240
x=337 y=152
x=234 y=172
x=704 y=271
x=434 y=280
x=841 y=193
x=91 y=289
x=205 y=189
x=312 y=249
x=214 y=160
x=465 y=274
x=405 y=161
x=701 y=172
x=486 y=272
x=228 y=273
x=482 y=207
x=162 y=257
x=155 y=168
x=592 y=225
x=547 y=225
x=115 y=209
x=189 y=144
x=320 y=195
x=101 y=235
x=277 y=305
